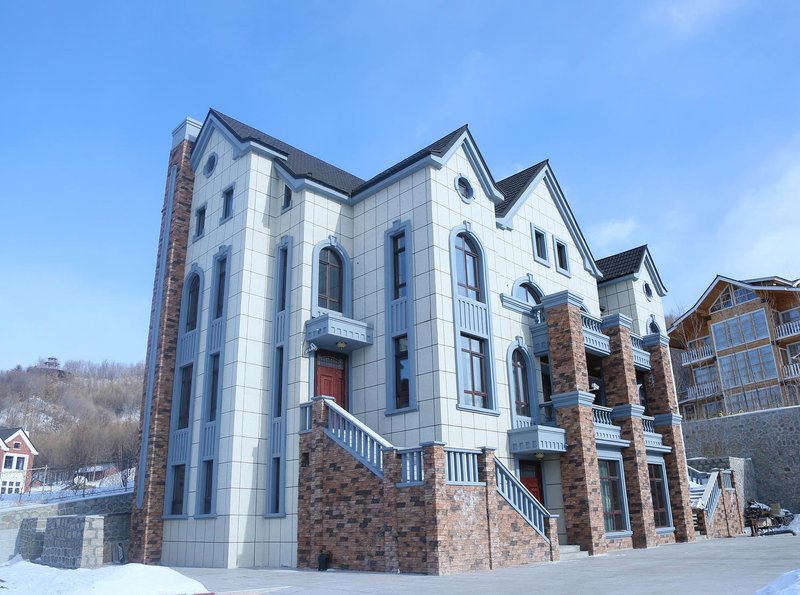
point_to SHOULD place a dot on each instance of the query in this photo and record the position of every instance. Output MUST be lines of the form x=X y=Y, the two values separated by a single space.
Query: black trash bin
x=322 y=562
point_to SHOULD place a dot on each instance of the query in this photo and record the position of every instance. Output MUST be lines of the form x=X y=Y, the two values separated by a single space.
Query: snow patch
x=786 y=584
x=19 y=576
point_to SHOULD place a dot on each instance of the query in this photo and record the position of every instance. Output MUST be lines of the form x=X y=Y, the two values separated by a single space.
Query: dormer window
x=17 y=445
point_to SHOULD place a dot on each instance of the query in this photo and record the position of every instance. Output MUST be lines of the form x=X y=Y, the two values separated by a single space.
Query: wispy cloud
x=692 y=17
x=611 y=235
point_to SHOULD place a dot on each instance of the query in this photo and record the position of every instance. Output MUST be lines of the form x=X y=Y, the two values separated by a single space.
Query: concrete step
x=572 y=552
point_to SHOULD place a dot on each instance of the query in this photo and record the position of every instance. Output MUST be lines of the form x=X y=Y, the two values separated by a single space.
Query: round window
x=211 y=163
x=648 y=291
x=464 y=188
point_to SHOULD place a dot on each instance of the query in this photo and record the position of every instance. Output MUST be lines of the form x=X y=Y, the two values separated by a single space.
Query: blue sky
x=656 y=116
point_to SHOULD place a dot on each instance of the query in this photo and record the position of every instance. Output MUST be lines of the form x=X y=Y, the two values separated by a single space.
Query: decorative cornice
x=562 y=297
x=654 y=340
x=666 y=419
x=626 y=411
x=615 y=320
x=578 y=397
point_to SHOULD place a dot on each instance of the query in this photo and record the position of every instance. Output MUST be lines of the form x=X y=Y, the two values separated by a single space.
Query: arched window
x=519 y=383
x=468 y=268
x=653 y=326
x=527 y=293
x=193 y=301
x=330 y=280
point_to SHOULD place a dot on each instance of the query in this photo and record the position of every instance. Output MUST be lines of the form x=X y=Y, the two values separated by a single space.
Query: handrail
x=520 y=499
x=362 y=442
x=787 y=329
x=648 y=424
x=697 y=476
x=711 y=494
x=591 y=323
x=705 y=389
x=694 y=355
x=636 y=342
x=601 y=415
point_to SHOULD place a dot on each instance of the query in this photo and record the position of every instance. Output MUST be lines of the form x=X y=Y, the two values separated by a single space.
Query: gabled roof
x=299 y=163
x=622 y=264
x=8 y=434
x=721 y=279
x=513 y=187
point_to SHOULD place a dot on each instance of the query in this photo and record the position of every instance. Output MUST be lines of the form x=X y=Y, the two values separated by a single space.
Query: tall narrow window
x=658 y=491
x=200 y=222
x=219 y=297
x=330 y=280
x=287 y=197
x=611 y=495
x=178 y=485
x=399 y=265
x=207 y=493
x=562 y=257
x=283 y=272
x=185 y=397
x=192 y=304
x=20 y=463
x=401 y=373
x=519 y=383
x=473 y=359
x=467 y=268
x=227 y=204
x=540 y=246
x=213 y=389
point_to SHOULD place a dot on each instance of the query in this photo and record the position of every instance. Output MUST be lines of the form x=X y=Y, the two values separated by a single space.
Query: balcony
x=605 y=432
x=529 y=439
x=652 y=439
x=337 y=333
x=692 y=356
x=791 y=371
x=641 y=358
x=593 y=338
x=701 y=391
x=539 y=333
x=788 y=329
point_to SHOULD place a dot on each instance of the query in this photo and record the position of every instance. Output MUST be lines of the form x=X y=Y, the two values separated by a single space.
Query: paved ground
x=726 y=566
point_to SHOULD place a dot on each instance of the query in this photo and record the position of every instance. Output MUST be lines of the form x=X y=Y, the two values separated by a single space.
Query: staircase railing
x=711 y=494
x=518 y=496
x=355 y=437
x=698 y=476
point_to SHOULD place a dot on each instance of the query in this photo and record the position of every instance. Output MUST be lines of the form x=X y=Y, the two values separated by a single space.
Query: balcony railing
x=601 y=415
x=641 y=358
x=411 y=466
x=788 y=329
x=696 y=355
x=699 y=391
x=593 y=338
x=791 y=371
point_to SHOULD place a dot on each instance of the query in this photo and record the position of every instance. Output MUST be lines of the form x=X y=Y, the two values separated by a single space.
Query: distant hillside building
x=19 y=454
x=741 y=343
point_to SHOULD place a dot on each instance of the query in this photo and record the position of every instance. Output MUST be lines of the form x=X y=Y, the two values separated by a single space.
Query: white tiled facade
x=240 y=535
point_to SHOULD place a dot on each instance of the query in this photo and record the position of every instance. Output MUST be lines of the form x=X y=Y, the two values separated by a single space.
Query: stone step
x=572 y=552
x=569 y=548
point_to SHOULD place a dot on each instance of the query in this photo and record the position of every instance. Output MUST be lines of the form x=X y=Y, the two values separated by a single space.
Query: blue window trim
x=196 y=235
x=659 y=460
x=399 y=228
x=530 y=369
x=284 y=207
x=556 y=242
x=224 y=253
x=194 y=271
x=616 y=455
x=347 y=279
x=546 y=260
x=274 y=421
x=232 y=189
x=466 y=228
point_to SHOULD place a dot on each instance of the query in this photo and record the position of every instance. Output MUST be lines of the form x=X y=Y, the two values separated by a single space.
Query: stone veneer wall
x=73 y=542
x=770 y=438
x=147 y=525
x=728 y=520
x=364 y=522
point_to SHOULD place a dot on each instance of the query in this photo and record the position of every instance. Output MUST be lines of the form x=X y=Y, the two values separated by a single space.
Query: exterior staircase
x=572 y=552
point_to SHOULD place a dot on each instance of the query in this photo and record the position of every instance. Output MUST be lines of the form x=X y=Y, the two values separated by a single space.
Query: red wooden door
x=330 y=377
x=530 y=474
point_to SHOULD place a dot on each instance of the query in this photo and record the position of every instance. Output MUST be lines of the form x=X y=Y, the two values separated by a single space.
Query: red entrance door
x=330 y=377
x=530 y=474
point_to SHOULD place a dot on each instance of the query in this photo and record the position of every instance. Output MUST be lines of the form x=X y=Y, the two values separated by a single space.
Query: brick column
x=147 y=525
x=623 y=396
x=311 y=501
x=552 y=535
x=392 y=475
x=436 y=505
x=580 y=475
x=664 y=404
x=486 y=474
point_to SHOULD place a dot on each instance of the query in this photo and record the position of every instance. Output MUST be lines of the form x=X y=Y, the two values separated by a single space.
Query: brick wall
x=147 y=526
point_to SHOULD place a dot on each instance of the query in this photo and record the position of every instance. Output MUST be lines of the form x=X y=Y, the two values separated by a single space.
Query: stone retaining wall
x=73 y=542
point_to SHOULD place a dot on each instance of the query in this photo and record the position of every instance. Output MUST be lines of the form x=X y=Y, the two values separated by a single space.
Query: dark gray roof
x=512 y=187
x=299 y=163
x=6 y=433
x=437 y=148
x=624 y=263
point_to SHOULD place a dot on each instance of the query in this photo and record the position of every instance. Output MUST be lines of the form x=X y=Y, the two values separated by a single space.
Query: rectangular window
x=658 y=491
x=473 y=361
x=17 y=445
x=611 y=494
x=790 y=315
x=699 y=343
x=20 y=463
x=746 y=367
x=540 y=246
x=275 y=492
x=742 y=295
x=178 y=485
x=213 y=389
x=200 y=222
x=399 y=268
x=227 y=204
x=208 y=487
x=705 y=374
x=283 y=275
x=287 y=197
x=401 y=373
x=562 y=257
x=185 y=397
x=740 y=329
x=219 y=298
x=277 y=401
x=8 y=463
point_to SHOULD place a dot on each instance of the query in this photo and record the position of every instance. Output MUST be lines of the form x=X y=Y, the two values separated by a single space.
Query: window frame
x=227 y=204
x=465 y=257
x=656 y=461
x=616 y=459
x=287 y=193
x=200 y=217
x=559 y=243
x=529 y=388
x=469 y=358
x=346 y=280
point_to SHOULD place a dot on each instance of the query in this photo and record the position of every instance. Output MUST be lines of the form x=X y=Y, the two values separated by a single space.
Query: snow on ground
x=785 y=584
x=19 y=576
